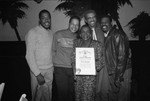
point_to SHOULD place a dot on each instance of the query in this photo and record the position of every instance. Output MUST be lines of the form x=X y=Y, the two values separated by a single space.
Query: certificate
x=85 y=61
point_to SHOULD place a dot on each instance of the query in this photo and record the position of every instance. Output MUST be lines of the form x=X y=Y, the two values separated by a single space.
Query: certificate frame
x=85 y=61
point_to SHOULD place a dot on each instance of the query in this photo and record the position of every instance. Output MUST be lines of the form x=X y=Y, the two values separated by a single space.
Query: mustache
x=104 y=26
x=92 y=21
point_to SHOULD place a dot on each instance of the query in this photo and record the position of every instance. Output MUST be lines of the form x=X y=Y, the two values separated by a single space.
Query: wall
x=60 y=21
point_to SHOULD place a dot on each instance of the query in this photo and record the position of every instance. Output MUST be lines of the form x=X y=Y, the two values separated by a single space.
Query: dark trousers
x=64 y=79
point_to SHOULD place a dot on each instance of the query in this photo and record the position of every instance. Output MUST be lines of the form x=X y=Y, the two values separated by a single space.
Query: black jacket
x=116 y=52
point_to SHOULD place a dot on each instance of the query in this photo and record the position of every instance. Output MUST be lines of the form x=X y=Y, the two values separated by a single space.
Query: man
x=97 y=34
x=116 y=83
x=63 y=71
x=39 y=58
x=91 y=20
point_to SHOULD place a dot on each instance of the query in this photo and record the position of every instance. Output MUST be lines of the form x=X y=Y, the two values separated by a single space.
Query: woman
x=85 y=84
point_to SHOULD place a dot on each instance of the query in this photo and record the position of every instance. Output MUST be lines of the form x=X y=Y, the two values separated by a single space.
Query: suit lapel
x=99 y=33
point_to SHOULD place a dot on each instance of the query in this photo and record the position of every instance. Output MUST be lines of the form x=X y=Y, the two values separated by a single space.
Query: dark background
x=14 y=71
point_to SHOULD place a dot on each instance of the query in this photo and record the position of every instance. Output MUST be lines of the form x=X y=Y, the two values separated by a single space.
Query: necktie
x=94 y=34
x=105 y=34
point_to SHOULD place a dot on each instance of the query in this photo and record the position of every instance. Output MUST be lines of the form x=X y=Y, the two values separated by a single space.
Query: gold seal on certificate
x=85 y=61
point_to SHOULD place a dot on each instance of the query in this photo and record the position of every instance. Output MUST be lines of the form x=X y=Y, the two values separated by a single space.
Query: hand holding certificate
x=85 y=61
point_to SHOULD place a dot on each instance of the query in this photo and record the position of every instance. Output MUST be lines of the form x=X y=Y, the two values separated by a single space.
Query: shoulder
x=116 y=32
x=97 y=27
x=58 y=34
x=34 y=30
x=31 y=34
x=99 y=30
x=51 y=31
x=76 y=40
x=120 y=35
x=60 y=31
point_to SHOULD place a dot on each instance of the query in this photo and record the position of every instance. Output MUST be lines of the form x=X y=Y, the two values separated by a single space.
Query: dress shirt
x=94 y=34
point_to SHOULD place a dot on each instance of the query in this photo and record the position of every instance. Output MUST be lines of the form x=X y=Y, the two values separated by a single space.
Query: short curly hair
x=89 y=11
x=74 y=17
x=107 y=16
x=44 y=11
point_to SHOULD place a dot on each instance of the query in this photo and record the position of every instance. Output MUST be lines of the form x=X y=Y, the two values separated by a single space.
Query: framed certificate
x=85 y=61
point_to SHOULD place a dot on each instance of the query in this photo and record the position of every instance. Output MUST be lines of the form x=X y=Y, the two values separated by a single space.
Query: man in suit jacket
x=98 y=35
x=91 y=20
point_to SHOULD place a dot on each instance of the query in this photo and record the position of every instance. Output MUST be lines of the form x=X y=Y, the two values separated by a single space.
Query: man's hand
x=118 y=81
x=40 y=79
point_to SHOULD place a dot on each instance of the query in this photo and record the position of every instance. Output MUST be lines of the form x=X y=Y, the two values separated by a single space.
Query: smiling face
x=85 y=33
x=90 y=19
x=106 y=24
x=45 y=20
x=74 y=25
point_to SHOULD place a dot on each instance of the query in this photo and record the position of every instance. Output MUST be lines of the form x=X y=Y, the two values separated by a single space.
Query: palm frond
x=69 y=13
x=20 y=5
x=139 y=25
x=65 y=6
x=65 y=0
x=11 y=8
x=132 y=22
x=20 y=14
x=73 y=7
x=139 y=19
x=38 y=1
x=123 y=2
x=11 y=11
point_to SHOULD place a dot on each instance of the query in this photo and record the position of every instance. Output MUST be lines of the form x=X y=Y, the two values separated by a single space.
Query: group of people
x=49 y=53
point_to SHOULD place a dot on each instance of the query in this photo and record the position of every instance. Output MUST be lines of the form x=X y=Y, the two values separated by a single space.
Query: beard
x=92 y=24
x=46 y=25
x=104 y=28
